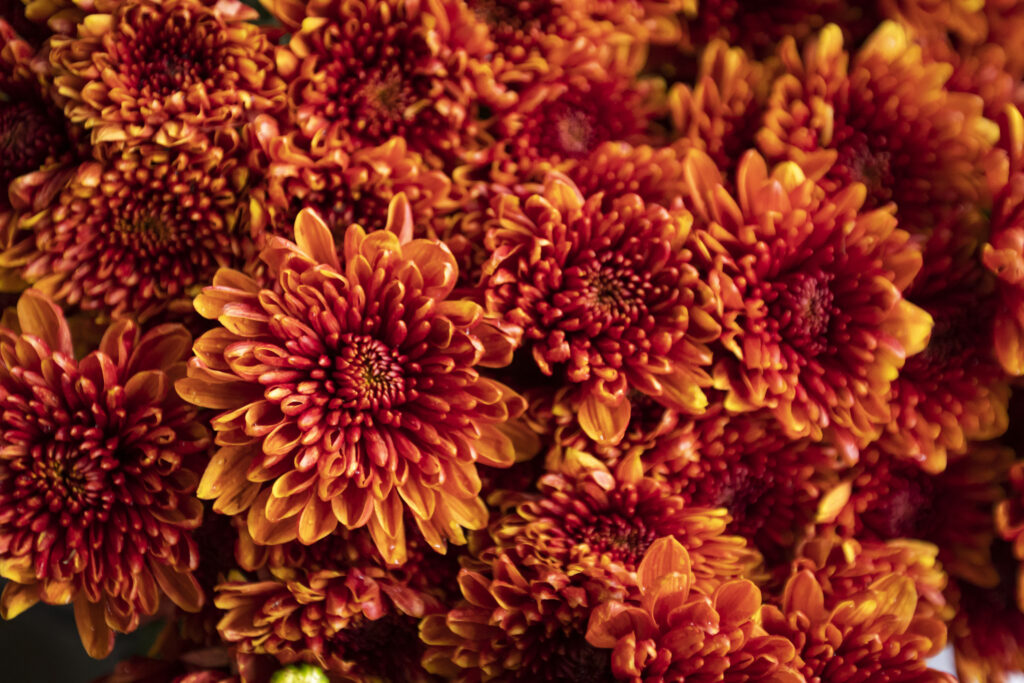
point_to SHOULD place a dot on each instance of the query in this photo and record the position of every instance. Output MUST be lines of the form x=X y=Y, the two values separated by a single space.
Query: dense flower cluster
x=474 y=340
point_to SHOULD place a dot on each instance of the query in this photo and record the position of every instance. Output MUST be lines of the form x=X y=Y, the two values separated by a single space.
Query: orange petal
x=314 y=237
x=181 y=587
x=39 y=316
x=603 y=423
x=97 y=638
x=400 y=218
x=16 y=598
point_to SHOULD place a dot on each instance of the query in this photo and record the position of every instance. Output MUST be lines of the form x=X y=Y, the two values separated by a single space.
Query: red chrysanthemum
x=885 y=120
x=334 y=604
x=136 y=234
x=671 y=634
x=343 y=188
x=886 y=497
x=815 y=327
x=875 y=635
x=618 y=168
x=954 y=391
x=586 y=516
x=606 y=299
x=97 y=473
x=769 y=483
x=171 y=71
x=360 y=72
x=351 y=391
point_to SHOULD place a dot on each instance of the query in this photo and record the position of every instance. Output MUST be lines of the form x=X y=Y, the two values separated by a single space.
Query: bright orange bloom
x=815 y=327
x=334 y=604
x=769 y=483
x=136 y=234
x=171 y=72
x=97 y=473
x=675 y=635
x=954 y=391
x=1004 y=252
x=722 y=112
x=603 y=298
x=351 y=391
x=885 y=497
x=885 y=120
x=342 y=188
x=360 y=72
x=587 y=516
x=874 y=635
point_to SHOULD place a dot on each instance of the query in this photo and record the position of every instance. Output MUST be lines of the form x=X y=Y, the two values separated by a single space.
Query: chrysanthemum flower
x=587 y=516
x=136 y=234
x=618 y=168
x=845 y=568
x=1004 y=252
x=769 y=483
x=815 y=327
x=886 y=497
x=333 y=604
x=605 y=298
x=520 y=620
x=873 y=633
x=954 y=391
x=556 y=123
x=885 y=120
x=674 y=634
x=360 y=72
x=96 y=473
x=342 y=188
x=351 y=391
x=170 y=72
x=722 y=112
x=987 y=633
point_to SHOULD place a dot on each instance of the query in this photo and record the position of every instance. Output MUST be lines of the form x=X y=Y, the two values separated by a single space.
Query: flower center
x=864 y=161
x=625 y=541
x=907 y=512
x=612 y=292
x=28 y=138
x=147 y=226
x=167 y=54
x=65 y=479
x=368 y=374
x=385 y=97
x=575 y=132
x=804 y=310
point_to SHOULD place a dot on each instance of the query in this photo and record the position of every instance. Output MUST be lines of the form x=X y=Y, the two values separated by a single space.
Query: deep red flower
x=605 y=299
x=97 y=473
x=351 y=391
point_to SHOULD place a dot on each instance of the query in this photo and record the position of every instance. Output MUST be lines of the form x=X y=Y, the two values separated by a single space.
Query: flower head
x=875 y=631
x=672 y=634
x=922 y=149
x=138 y=233
x=169 y=72
x=815 y=326
x=97 y=472
x=606 y=299
x=351 y=391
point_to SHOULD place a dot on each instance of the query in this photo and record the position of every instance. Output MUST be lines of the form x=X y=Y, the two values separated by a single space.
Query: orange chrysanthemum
x=618 y=168
x=172 y=72
x=815 y=327
x=342 y=188
x=875 y=635
x=136 y=234
x=360 y=72
x=351 y=390
x=520 y=620
x=1004 y=252
x=885 y=120
x=769 y=484
x=334 y=604
x=721 y=113
x=587 y=516
x=97 y=473
x=954 y=391
x=887 y=497
x=604 y=298
x=675 y=635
